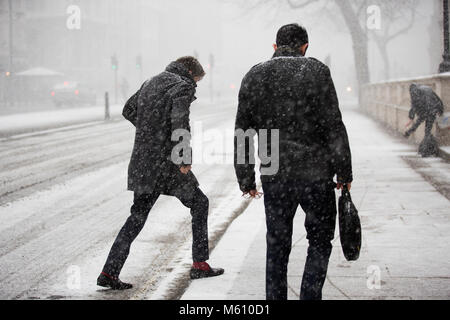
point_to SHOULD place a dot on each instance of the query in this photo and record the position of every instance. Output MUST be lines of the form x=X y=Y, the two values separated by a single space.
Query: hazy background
x=228 y=37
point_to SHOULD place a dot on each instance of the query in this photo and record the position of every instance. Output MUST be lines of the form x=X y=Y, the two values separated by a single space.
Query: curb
x=177 y=281
x=444 y=154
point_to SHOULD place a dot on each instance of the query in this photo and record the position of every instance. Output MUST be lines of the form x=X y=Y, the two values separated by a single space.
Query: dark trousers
x=429 y=122
x=192 y=198
x=281 y=200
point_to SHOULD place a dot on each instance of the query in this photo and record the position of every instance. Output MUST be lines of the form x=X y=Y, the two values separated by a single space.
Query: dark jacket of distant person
x=424 y=102
x=162 y=105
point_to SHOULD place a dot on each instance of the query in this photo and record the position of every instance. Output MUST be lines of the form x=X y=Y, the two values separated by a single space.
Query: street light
x=114 y=62
x=138 y=62
x=445 y=65
x=210 y=67
x=11 y=45
x=115 y=67
x=139 y=66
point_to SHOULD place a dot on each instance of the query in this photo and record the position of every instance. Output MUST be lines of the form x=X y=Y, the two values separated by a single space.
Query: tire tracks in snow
x=89 y=238
x=60 y=229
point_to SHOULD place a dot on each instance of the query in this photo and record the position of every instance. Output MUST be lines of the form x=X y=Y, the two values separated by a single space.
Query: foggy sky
x=160 y=31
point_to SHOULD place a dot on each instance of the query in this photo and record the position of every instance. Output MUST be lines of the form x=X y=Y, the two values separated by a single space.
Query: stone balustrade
x=390 y=102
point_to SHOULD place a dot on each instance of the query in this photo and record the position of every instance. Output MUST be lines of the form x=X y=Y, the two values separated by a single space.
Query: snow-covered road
x=63 y=199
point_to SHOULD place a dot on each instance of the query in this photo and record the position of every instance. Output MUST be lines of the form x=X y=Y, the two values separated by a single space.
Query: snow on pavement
x=63 y=200
x=405 y=222
x=21 y=123
x=58 y=222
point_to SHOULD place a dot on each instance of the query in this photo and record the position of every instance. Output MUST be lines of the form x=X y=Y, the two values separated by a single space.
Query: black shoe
x=406 y=134
x=105 y=280
x=212 y=272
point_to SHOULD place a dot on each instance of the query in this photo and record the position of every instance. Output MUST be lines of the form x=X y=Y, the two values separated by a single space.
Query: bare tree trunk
x=360 y=42
x=382 y=48
x=387 y=63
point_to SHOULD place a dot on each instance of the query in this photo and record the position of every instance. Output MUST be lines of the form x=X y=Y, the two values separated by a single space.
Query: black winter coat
x=157 y=109
x=424 y=102
x=297 y=96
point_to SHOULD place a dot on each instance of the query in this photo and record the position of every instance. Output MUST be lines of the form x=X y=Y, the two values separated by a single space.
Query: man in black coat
x=294 y=96
x=161 y=164
x=426 y=104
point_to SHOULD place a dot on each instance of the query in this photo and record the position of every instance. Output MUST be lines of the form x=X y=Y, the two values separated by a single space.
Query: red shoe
x=107 y=281
x=203 y=270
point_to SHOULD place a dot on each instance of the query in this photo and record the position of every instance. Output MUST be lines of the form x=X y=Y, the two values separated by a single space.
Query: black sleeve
x=179 y=115
x=245 y=171
x=412 y=112
x=334 y=128
x=130 y=109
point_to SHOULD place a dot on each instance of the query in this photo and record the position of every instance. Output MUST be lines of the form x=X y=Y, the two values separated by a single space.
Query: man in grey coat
x=426 y=105
x=160 y=112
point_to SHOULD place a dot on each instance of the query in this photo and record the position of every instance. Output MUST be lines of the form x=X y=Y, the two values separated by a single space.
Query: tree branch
x=295 y=5
x=363 y=6
x=404 y=29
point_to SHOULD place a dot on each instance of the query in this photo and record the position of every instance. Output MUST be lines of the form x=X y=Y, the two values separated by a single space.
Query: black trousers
x=429 y=122
x=190 y=195
x=281 y=200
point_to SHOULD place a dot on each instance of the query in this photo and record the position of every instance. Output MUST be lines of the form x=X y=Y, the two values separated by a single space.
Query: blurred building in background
x=78 y=39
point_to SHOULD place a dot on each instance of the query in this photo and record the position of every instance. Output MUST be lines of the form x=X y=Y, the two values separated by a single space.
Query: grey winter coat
x=159 y=108
x=424 y=102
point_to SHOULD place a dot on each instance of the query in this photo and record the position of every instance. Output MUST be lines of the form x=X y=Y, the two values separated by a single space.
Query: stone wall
x=390 y=102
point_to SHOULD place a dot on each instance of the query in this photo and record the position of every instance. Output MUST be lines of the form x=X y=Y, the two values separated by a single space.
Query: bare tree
x=397 y=19
x=351 y=11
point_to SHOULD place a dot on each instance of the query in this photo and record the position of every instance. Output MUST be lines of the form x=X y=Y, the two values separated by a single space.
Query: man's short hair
x=292 y=35
x=193 y=65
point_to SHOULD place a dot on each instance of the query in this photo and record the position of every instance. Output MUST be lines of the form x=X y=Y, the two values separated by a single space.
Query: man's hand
x=253 y=194
x=341 y=186
x=185 y=169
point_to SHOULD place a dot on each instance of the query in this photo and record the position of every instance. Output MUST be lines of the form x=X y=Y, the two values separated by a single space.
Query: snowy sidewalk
x=406 y=231
x=22 y=123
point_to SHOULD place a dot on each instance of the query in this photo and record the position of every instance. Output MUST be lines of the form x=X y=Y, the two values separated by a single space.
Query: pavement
x=444 y=152
x=402 y=198
x=63 y=199
x=21 y=124
x=404 y=206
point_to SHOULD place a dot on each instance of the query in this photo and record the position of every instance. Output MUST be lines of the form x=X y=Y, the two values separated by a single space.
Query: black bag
x=349 y=226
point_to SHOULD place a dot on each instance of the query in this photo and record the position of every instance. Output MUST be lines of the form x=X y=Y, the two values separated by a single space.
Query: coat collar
x=285 y=51
x=182 y=71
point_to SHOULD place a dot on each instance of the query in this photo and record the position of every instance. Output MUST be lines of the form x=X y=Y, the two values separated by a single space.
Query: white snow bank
x=34 y=121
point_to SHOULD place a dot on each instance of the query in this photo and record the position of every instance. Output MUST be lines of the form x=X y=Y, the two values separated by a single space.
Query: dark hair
x=192 y=65
x=292 y=35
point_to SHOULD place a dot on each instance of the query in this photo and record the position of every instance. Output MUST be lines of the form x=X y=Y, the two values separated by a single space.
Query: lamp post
x=445 y=65
x=115 y=67
x=211 y=67
x=10 y=8
x=139 y=66
x=8 y=94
